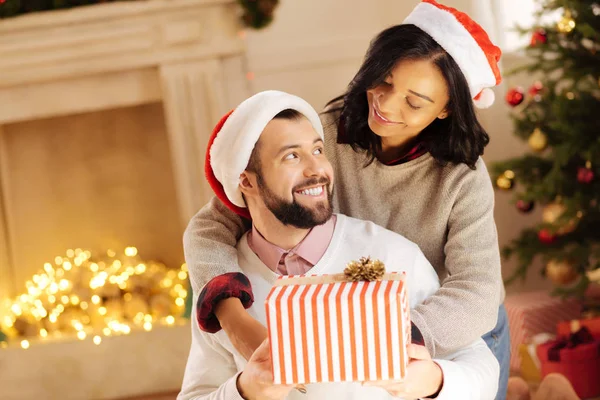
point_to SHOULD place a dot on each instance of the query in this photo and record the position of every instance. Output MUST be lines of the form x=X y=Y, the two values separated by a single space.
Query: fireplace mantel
x=186 y=54
x=115 y=37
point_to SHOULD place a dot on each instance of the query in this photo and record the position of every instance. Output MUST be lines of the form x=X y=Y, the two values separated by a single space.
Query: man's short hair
x=254 y=162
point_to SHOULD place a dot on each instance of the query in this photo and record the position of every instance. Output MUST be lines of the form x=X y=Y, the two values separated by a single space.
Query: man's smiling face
x=294 y=178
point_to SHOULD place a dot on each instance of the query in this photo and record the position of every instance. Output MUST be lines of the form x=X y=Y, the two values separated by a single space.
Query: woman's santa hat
x=234 y=138
x=466 y=42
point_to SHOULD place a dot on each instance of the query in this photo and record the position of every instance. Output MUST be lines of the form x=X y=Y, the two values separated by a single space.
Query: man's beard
x=293 y=213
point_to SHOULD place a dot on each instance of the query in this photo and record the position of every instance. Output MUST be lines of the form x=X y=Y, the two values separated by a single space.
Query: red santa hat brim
x=212 y=179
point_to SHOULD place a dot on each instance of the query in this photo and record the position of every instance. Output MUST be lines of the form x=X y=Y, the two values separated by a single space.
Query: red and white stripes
x=337 y=331
x=533 y=313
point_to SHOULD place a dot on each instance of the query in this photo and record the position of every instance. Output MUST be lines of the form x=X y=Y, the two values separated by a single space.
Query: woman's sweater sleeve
x=209 y=245
x=466 y=305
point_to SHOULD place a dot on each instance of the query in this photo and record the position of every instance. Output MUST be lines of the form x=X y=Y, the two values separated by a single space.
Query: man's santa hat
x=466 y=42
x=236 y=134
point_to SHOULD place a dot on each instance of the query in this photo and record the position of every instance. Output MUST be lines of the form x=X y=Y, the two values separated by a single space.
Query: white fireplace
x=104 y=118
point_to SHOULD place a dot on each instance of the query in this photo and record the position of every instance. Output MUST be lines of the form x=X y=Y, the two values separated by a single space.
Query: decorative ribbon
x=582 y=336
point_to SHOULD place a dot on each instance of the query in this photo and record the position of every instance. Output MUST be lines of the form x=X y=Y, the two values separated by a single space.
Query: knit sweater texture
x=447 y=210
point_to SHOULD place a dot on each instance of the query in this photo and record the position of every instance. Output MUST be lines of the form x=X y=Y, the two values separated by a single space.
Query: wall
x=314 y=47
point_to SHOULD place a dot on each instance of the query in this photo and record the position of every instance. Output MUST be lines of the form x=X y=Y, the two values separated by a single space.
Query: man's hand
x=244 y=332
x=423 y=376
x=256 y=381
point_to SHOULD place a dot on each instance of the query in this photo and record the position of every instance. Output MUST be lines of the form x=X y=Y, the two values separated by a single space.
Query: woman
x=405 y=145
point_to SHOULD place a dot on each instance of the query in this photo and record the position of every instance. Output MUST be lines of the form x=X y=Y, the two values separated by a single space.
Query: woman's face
x=412 y=96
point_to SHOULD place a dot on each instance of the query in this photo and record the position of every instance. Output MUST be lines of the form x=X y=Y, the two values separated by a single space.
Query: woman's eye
x=411 y=105
x=318 y=151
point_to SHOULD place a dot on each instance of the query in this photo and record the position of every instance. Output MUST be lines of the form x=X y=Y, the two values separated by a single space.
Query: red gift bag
x=577 y=357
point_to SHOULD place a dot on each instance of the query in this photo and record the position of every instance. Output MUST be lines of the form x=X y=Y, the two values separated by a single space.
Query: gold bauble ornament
x=566 y=24
x=505 y=180
x=552 y=213
x=561 y=272
x=538 y=140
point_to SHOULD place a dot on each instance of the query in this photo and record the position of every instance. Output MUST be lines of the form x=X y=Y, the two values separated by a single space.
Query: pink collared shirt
x=298 y=260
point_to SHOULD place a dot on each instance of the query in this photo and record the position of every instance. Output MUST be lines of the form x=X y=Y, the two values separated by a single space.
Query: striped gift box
x=325 y=329
x=532 y=313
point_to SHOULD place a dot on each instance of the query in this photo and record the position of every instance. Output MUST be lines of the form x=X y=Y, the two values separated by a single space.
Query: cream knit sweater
x=446 y=210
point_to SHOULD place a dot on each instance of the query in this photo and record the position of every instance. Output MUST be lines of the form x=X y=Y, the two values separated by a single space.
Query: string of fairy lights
x=87 y=296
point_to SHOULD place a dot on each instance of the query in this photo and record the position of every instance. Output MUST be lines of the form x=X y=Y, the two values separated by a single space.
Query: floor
x=157 y=396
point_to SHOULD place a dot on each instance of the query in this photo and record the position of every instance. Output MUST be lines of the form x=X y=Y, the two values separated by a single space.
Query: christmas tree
x=559 y=117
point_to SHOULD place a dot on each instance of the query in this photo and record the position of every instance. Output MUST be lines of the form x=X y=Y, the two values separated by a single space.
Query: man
x=266 y=159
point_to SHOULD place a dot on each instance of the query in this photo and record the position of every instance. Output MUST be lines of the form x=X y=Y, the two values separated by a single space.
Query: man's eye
x=318 y=151
x=290 y=156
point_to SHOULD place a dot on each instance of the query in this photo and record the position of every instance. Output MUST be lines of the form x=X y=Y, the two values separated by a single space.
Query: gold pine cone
x=364 y=269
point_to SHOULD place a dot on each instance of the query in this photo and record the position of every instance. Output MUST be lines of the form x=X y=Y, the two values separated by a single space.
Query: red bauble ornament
x=546 y=237
x=536 y=88
x=515 y=96
x=525 y=206
x=585 y=175
x=539 y=37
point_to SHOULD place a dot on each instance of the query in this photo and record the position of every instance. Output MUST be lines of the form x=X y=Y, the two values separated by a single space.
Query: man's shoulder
x=361 y=230
x=366 y=239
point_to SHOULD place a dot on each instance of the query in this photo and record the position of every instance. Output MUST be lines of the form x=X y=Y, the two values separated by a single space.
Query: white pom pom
x=485 y=98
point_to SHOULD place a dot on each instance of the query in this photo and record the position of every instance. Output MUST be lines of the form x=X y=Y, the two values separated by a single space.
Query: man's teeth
x=312 y=192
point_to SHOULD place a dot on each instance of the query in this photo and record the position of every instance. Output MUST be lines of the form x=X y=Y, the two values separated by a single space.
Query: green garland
x=257 y=14
x=13 y=8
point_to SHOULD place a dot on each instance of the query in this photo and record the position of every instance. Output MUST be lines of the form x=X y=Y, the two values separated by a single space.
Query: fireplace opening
x=97 y=181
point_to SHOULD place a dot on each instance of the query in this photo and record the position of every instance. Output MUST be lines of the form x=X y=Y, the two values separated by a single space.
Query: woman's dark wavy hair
x=459 y=138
